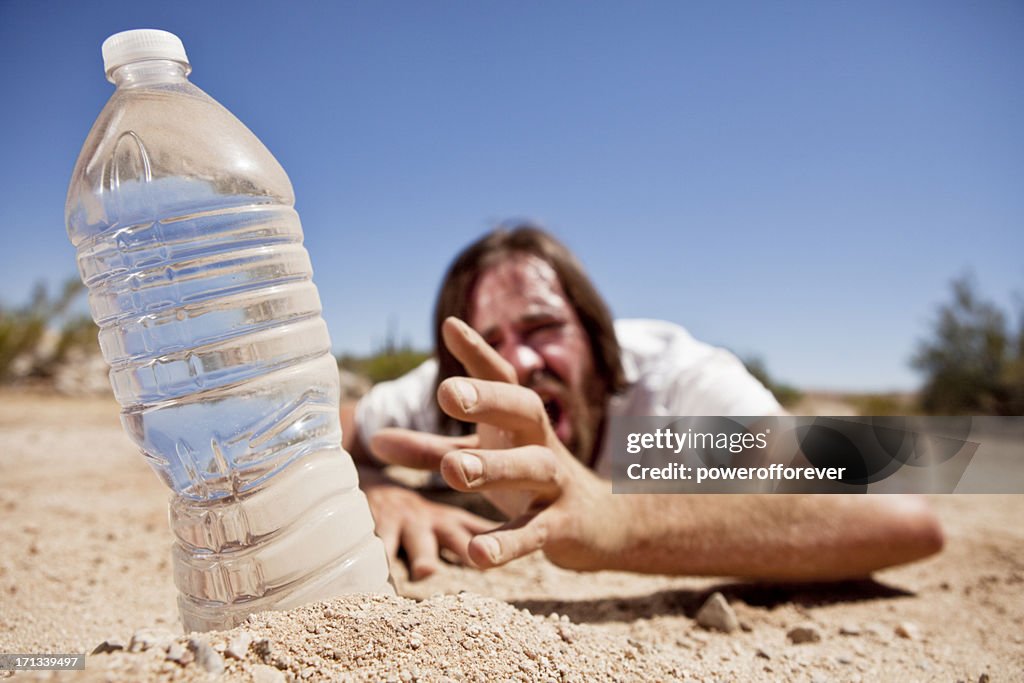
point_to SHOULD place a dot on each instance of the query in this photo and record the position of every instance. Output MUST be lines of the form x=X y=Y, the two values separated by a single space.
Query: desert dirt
x=84 y=559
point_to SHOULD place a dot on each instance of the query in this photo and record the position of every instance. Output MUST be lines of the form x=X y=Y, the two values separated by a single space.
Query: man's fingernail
x=490 y=547
x=472 y=468
x=466 y=393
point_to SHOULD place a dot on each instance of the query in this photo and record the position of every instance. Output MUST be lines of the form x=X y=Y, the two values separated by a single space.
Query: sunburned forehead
x=519 y=287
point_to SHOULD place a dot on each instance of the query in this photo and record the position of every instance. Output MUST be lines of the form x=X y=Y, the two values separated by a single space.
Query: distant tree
x=24 y=329
x=973 y=363
x=784 y=393
x=390 y=360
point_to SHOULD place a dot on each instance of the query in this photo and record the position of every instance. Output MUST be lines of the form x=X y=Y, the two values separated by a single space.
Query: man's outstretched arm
x=558 y=506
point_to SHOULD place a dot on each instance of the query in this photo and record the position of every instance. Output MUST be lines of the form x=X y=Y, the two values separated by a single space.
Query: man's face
x=520 y=308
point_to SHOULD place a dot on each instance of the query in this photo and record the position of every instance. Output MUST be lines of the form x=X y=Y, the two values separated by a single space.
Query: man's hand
x=406 y=519
x=558 y=506
x=554 y=503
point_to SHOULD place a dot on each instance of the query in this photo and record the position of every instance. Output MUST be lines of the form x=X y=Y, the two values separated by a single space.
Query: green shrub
x=784 y=393
x=23 y=330
x=973 y=364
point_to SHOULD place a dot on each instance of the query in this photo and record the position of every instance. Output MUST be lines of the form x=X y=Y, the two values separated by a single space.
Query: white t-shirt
x=668 y=372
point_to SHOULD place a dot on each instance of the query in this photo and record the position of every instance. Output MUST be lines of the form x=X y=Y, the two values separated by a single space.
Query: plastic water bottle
x=192 y=252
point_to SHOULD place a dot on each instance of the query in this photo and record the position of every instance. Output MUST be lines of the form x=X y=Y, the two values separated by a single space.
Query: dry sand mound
x=375 y=638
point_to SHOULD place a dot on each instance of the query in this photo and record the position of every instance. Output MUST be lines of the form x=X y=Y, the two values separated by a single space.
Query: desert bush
x=784 y=393
x=973 y=363
x=384 y=365
x=884 y=404
x=36 y=337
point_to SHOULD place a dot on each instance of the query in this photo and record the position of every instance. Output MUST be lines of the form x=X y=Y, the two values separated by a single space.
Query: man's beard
x=582 y=407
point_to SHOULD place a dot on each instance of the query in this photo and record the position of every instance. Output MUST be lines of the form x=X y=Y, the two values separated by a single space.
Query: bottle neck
x=149 y=72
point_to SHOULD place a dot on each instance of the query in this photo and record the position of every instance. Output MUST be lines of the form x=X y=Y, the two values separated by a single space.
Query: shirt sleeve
x=405 y=402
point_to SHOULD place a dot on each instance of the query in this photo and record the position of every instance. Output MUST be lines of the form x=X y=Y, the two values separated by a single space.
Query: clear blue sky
x=797 y=180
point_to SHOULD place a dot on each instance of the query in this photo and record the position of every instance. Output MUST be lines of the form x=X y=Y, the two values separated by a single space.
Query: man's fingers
x=415 y=449
x=388 y=534
x=476 y=524
x=514 y=540
x=456 y=538
x=421 y=548
x=533 y=468
x=498 y=404
x=476 y=355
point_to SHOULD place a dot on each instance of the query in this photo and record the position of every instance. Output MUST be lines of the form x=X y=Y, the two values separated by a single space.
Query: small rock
x=844 y=659
x=145 y=638
x=716 y=614
x=206 y=656
x=908 y=630
x=763 y=653
x=804 y=634
x=176 y=653
x=983 y=678
x=261 y=673
x=108 y=645
x=264 y=648
x=238 y=648
x=849 y=630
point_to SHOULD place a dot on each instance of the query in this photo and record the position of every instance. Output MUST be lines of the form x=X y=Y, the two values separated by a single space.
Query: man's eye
x=549 y=326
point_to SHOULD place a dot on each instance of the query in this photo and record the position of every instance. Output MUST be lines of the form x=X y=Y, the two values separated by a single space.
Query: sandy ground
x=84 y=558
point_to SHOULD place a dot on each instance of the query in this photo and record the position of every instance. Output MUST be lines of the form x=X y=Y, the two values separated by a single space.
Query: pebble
x=207 y=657
x=264 y=648
x=804 y=634
x=239 y=645
x=108 y=645
x=177 y=653
x=261 y=673
x=849 y=630
x=908 y=630
x=763 y=653
x=144 y=639
x=716 y=614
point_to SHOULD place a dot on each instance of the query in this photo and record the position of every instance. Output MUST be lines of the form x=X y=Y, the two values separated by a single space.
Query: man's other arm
x=403 y=518
x=350 y=439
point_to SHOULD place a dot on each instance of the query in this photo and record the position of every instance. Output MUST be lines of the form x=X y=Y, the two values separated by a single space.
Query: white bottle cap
x=140 y=44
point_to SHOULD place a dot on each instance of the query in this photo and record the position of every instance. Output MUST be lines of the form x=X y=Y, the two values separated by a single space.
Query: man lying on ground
x=539 y=368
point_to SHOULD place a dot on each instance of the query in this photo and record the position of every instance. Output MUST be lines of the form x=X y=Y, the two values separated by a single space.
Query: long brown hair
x=525 y=238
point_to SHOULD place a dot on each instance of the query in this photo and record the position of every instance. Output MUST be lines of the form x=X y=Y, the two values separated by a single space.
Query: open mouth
x=554 y=410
